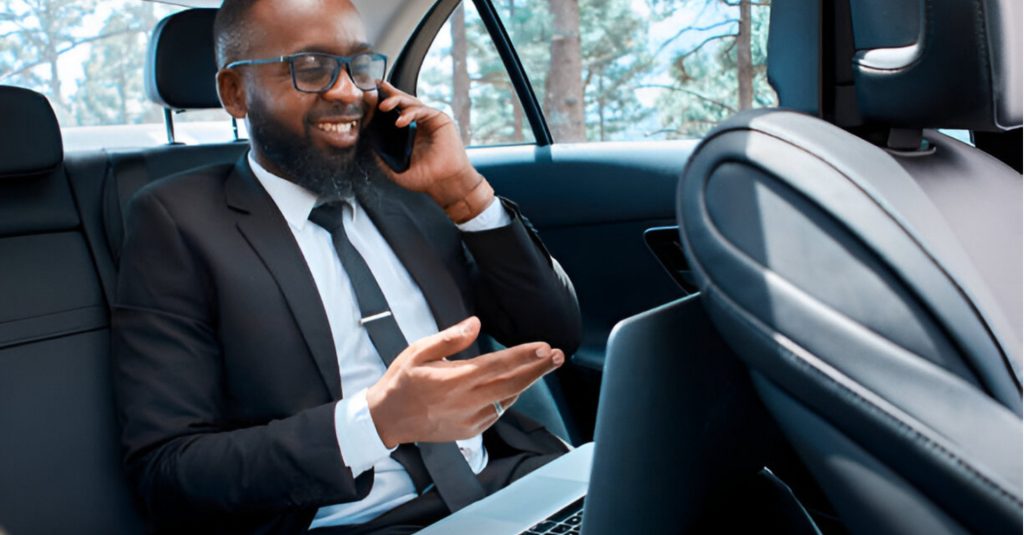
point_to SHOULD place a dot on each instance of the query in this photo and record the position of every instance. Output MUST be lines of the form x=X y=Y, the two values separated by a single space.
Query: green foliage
x=39 y=35
x=113 y=84
x=642 y=78
x=650 y=68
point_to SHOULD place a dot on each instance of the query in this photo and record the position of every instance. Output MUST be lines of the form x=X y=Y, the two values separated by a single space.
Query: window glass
x=636 y=69
x=88 y=58
x=960 y=135
x=463 y=76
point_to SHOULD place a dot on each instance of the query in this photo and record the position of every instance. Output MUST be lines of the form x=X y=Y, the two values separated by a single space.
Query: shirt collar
x=294 y=201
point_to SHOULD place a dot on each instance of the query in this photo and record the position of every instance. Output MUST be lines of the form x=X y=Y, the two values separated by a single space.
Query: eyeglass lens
x=316 y=73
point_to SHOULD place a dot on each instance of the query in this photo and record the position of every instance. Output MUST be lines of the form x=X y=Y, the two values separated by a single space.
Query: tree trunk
x=517 y=115
x=744 y=63
x=563 y=95
x=460 y=75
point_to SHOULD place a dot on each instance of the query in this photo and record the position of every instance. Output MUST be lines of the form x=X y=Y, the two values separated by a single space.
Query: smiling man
x=295 y=335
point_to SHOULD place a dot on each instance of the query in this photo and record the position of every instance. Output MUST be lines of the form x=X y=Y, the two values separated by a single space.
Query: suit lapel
x=266 y=230
x=399 y=228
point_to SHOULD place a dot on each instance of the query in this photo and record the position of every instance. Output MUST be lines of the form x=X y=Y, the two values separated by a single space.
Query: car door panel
x=591 y=204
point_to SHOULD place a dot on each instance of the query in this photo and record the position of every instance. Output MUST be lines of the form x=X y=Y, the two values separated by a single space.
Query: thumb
x=447 y=342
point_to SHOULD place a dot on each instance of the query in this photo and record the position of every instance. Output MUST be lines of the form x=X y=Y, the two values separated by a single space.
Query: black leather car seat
x=870 y=276
x=60 y=468
x=180 y=71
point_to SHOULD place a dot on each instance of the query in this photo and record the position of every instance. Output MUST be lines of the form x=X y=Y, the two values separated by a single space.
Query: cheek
x=288 y=108
x=370 y=100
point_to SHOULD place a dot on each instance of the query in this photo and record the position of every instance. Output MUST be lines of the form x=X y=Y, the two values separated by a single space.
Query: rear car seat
x=180 y=71
x=61 y=228
x=59 y=454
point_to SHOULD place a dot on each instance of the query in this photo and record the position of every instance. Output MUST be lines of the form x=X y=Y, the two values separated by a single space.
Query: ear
x=231 y=90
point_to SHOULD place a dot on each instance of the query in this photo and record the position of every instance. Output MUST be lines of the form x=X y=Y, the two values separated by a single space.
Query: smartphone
x=391 y=143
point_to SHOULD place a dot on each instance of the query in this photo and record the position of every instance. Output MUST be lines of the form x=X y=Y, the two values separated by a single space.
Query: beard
x=331 y=173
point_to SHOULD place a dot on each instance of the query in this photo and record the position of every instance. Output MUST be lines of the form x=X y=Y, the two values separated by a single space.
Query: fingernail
x=558 y=359
x=543 y=352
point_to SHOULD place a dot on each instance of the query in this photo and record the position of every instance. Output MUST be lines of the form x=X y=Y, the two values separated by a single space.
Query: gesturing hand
x=425 y=398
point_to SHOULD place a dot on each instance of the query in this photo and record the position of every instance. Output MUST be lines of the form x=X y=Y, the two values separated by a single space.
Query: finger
x=487 y=415
x=507 y=403
x=447 y=342
x=491 y=365
x=421 y=115
x=514 y=381
x=390 y=88
x=399 y=101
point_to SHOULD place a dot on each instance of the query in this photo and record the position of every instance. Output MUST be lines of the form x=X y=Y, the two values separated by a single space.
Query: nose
x=344 y=89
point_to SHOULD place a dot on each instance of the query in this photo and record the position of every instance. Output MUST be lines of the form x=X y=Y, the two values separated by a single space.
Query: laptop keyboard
x=566 y=521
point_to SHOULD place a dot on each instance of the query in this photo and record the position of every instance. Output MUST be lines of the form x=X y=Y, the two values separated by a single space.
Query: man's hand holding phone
x=439 y=165
x=423 y=397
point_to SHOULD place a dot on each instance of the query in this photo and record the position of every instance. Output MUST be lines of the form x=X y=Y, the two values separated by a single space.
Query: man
x=264 y=378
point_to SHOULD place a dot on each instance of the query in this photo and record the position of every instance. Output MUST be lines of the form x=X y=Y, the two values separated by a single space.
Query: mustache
x=338 y=110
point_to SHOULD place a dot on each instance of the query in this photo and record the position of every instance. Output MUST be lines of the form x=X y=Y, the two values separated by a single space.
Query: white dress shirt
x=358 y=361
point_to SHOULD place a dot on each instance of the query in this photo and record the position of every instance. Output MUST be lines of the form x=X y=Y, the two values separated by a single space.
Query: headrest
x=938 y=63
x=809 y=49
x=794 y=43
x=180 y=65
x=30 y=141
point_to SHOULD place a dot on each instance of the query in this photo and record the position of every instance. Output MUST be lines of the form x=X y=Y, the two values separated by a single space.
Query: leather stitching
x=886 y=415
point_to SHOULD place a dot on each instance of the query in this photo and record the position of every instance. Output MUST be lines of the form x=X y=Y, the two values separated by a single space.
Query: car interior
x=821 y=303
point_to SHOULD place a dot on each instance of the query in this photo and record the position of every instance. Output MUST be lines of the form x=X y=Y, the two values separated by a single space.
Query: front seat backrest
x=874 y=287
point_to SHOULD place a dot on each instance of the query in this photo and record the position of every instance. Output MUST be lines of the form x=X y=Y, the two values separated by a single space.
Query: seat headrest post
x=169 y=125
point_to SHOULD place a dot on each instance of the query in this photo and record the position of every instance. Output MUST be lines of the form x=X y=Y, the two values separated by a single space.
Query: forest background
x=602 y=69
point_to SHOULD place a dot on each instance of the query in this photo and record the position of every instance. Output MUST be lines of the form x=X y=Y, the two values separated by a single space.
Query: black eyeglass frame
x=339 y=61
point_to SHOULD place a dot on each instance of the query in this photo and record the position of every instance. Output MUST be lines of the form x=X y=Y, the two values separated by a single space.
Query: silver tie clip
x=374 y=317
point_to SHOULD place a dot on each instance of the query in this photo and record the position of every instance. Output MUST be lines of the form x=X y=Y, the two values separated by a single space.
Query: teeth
x=338 y=128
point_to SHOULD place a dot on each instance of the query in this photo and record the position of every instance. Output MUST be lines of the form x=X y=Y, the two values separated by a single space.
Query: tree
x=722 y=73
x=615 y=59
x=460 y=74
x=41 y=32
x=563 y=96
x=112 y=89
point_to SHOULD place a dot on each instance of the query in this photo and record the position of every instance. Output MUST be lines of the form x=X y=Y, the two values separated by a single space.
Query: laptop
x=672 y=351
x=547 y=499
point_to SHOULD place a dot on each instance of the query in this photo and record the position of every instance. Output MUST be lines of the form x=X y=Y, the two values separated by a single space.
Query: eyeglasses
x=315 y=72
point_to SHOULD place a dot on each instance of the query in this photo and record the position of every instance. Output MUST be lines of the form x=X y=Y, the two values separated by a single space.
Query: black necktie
x=455 y=481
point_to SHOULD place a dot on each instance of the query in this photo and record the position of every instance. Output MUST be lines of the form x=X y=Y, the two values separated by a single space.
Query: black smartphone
x=391 y=143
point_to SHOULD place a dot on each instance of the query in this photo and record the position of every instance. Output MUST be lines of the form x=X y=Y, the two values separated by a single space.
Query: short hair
x=232 y=31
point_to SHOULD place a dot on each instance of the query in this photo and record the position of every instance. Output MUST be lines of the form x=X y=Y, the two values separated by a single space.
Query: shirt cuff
x=494 y=216
x=358 y=440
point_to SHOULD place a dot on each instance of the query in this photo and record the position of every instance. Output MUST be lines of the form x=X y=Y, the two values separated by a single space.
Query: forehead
x=285 y=26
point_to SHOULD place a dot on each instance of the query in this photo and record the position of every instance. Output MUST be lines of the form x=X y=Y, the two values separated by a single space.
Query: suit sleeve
x=181 y=450
x=522 y=293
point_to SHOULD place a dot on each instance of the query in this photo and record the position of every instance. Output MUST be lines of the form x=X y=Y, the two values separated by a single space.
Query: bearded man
x=295 y=335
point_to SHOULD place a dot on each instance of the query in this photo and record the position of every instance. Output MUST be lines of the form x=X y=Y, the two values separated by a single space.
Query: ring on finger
x=498 y=408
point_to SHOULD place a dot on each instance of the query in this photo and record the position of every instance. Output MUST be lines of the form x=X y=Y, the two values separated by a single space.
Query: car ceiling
x=389 y=23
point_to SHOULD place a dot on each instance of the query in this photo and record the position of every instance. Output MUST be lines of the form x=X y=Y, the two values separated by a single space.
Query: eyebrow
x=355 y=49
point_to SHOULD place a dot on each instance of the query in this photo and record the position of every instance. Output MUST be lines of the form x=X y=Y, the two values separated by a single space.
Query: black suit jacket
x=225 y=368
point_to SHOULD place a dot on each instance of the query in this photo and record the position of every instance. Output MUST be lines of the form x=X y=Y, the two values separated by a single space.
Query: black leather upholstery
x=180 y=67
x=939 y=63
x=59 y=452
x=876 y=294
x=30 y=140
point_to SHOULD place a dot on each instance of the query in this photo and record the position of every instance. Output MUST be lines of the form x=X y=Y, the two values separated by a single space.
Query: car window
x=87 y=57
x=463 y=75
x=625 y=69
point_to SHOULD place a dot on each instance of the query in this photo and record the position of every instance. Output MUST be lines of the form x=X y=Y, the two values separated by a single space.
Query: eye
x=311 y=67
